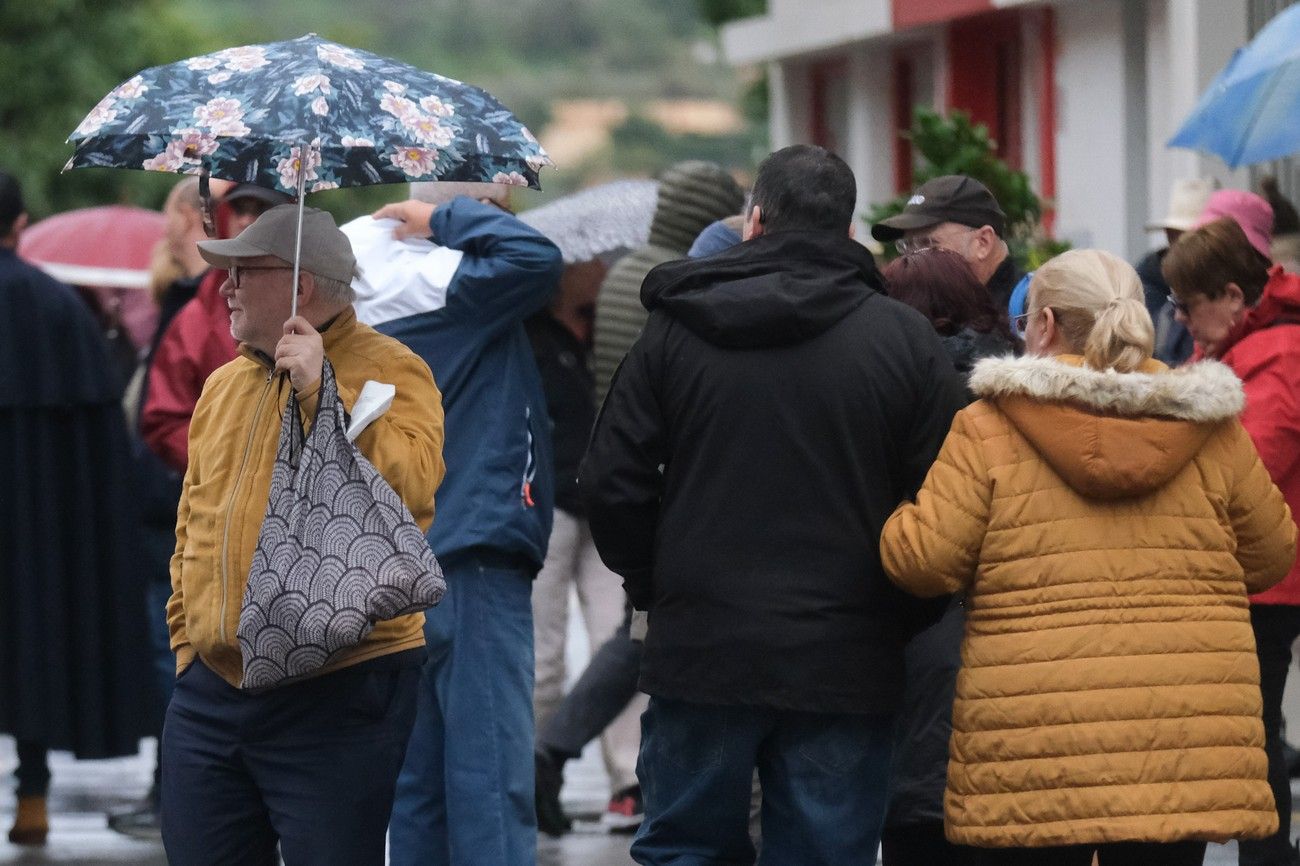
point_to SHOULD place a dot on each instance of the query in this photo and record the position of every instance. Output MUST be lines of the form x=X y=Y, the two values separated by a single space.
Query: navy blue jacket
x=460 y=305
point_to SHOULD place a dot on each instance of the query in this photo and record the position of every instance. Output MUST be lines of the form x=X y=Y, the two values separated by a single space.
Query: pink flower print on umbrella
x=224 y=116
x=399 y=107
x=240 y=111
x=415 y=161
x=131 y=89
x=513 y=178
x=173 y=158
x=244 y=59
x=195 y=143
x=427 y=130
x=338 y=55
x=100 y=115
x=435 y=106
x=310 y=83
x=292 y=164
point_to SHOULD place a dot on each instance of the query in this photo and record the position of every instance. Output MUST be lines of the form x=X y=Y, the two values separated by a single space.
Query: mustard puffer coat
x=1106 y=528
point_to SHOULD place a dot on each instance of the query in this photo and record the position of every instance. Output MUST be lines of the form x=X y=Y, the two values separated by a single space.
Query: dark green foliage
x=721 y=11
x=955 y=145
x=644 y=147
x=57 y=59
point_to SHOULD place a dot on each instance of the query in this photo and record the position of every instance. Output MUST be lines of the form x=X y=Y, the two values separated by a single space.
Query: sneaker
x=625 y=811
x=551 y=819
x=141 y=822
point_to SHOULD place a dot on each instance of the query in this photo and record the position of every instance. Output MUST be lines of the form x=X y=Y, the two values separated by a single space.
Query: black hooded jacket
x=775 y=410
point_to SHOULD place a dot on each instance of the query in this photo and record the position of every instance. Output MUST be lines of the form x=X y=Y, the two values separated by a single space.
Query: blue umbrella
x=303 y=116
x=1251 y=111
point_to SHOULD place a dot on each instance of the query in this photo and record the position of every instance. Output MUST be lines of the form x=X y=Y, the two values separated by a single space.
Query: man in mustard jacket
x=311 y=766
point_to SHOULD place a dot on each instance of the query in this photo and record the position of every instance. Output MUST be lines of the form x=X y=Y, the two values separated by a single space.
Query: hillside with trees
x=652 y=64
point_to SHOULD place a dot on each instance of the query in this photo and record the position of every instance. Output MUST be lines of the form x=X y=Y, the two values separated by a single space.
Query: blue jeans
x=310 y=765
x=465 y=794
x=824 y=778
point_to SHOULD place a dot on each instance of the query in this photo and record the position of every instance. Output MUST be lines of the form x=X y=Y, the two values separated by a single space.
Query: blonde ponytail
x=1097 y=300
x=1122 y=337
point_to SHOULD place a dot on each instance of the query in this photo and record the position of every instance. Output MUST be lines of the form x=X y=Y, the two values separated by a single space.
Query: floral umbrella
x=306 y=115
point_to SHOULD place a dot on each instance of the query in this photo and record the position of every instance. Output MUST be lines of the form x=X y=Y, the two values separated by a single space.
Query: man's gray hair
x=439 y=192
x=334 y=291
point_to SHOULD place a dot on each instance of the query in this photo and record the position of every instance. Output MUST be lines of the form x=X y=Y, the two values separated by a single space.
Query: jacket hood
x=692 y=195
x=775 y=290
x=1279 y=304
x=1111 y=435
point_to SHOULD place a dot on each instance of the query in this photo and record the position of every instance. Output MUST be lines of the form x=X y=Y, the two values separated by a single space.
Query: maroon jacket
x=195 y=344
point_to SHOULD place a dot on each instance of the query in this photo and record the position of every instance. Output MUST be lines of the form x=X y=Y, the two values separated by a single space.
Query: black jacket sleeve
x=622 y=478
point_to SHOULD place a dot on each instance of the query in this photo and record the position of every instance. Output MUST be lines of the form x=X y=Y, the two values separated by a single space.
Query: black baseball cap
x=953 y=198
x=271 y=197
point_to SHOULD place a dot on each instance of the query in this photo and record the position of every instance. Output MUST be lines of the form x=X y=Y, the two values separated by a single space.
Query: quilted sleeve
x=931 y=547
x=1261 y=520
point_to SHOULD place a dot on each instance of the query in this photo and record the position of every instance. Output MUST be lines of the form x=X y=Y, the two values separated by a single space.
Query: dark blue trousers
x=310 y=766
x=825 y=779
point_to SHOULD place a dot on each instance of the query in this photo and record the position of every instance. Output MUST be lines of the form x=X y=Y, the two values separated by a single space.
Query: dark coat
x=933 y=659
x=1003 y=282
x=570 y=388
x=72 y=614
x=792 y=406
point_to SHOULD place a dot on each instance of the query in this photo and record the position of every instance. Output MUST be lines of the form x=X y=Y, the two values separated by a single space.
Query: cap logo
x=916 y=199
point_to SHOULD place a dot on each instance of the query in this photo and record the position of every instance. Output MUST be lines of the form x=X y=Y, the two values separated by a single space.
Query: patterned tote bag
x=338 y=552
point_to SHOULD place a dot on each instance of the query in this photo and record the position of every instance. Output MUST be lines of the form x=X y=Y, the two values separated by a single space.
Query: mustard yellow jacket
x=1107 y=529
x=233 y=440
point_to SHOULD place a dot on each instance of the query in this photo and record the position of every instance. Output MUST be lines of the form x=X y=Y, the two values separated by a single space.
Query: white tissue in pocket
x=372 y=402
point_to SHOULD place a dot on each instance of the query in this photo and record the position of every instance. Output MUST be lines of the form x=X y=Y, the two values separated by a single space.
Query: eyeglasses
x=1178 y=306
x=236 y=270
x=907 y=246
x=1021 y=324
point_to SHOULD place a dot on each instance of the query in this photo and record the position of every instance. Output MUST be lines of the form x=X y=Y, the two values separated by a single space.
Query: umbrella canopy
x=600 y=221
x=342 y=117
x=1251 y=111
x=106 y=250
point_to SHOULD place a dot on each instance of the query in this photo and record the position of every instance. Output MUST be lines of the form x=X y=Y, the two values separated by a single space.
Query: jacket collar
x=332 y=333
x=1204 y=392
x=1279 y=304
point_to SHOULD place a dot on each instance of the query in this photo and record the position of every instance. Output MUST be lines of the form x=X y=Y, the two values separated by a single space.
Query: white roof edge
x=776 y=36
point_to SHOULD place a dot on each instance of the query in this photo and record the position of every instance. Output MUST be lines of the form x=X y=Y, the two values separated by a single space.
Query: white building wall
x=871 y=140
x=1090 y=134
x=1188 y=42
x=1127 y=74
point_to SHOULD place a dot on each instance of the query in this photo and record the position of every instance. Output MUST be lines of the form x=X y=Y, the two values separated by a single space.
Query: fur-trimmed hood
x=1107 y=434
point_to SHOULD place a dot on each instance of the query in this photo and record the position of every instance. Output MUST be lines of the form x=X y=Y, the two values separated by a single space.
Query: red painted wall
x=914 y=13
x=985 y=68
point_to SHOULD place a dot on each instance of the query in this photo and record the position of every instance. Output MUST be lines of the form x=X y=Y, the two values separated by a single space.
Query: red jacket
x=196 y=342
x=1264 y=351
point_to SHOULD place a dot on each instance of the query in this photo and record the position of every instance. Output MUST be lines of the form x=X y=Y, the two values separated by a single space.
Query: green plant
x=955 y=145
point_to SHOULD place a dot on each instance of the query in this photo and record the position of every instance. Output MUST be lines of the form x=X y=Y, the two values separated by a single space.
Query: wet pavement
x=83 y=791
